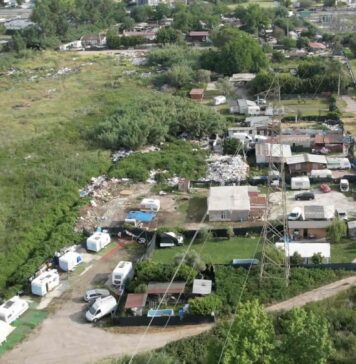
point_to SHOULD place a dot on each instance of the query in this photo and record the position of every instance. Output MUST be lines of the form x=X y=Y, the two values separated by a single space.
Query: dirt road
x=350 y=104
x=64 y=337
x=317 y=294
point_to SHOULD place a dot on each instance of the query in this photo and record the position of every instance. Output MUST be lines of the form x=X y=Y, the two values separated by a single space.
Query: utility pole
x=338 y=85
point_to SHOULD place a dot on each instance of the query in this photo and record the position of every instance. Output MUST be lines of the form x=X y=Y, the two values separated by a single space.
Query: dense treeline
x=153 y=119
x=312 y=76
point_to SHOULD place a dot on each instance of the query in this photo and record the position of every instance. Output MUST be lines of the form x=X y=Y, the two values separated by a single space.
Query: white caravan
x=12 y=309
x=122 y=272
x=98 y=241
x=300 y=183
x=69 y=260
x=45 y=282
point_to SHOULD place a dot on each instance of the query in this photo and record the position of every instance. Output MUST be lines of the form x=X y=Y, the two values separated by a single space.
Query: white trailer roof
x=5 y=331
x=306 y=250
x=44 y=277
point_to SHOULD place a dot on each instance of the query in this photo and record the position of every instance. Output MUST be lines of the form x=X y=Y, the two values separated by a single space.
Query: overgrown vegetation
x=154 y=118
x=177 y=158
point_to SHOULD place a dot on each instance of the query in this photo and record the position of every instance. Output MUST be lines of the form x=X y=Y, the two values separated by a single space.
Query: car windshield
x=293 y=214
x=92 y=310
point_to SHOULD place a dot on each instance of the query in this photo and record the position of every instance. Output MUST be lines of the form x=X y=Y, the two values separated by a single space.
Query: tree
x=167 y=35
x=329 y=3
x=142 y=13
x=305 y=338
x=232 y=146
x=203 y=76
x=162 y=11
x=278 y=57
x=336 y=230
x=230 y=232
x=317 y=258
x=289 y=43
x=302 y=42
x=251 y=339
x=229 y=58
x=296 y=259
x=18 y=43
x=253 y=18
x=205 y=305
x=204 y=234
x=180 y=75
x=192 y=259
x=226 y=87
x=127 y=23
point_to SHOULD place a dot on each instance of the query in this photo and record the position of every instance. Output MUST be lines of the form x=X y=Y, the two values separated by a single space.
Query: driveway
x=338 y=199
x=64 y=337
x=350 y=104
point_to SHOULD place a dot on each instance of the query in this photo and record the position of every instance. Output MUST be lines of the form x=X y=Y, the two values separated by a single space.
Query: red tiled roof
x=197 y=91
x=136 y=300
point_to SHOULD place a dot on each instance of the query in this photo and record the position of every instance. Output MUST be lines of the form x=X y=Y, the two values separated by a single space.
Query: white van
x=122 y=272
x=344 y=185
x=100 y=308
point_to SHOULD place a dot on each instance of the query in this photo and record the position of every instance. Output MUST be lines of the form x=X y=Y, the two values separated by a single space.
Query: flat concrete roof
x=228 y=198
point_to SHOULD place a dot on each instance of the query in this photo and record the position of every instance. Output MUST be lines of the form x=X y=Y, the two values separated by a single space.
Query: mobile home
x=5 y=331
x=12 y=309
x=69 y=261
x=122 y=272
x=321 y=174
x=45 y=282
x=300 y=183
x=98 y=241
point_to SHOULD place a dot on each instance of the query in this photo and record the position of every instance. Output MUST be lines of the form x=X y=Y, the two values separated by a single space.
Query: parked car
x=93 y=294
x=324 y=187
x=341 y=214
x=295 y=214
x=100 y=308
x=304 y=196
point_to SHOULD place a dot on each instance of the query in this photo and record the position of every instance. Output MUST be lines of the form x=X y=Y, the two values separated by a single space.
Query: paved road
x=315 y=295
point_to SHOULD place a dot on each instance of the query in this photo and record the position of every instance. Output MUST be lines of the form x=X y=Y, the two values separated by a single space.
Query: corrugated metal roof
x=274 y=150
x=314 y=212
x=134 y=300
x=306 y=157
x=165 y=287
x=308 y=224
x=202 y=286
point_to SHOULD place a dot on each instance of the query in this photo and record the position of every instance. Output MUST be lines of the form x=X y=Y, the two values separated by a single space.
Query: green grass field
x=261 y=3
x=217 y=251
x=345 y=252
x=317 y=106
x=23 y=326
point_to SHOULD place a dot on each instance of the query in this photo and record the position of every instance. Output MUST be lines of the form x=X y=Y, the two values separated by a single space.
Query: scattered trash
x=227 y=169
x=120 y=154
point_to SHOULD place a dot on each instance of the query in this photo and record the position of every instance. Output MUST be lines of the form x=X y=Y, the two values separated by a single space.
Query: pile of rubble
x=120 y=154
x=227 y=169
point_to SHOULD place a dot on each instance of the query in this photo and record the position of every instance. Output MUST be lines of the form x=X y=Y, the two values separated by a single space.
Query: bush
x=205 y=305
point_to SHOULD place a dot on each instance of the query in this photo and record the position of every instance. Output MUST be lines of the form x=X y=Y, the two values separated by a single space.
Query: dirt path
x=315 y=295
x=65 y=337
x=350 y=104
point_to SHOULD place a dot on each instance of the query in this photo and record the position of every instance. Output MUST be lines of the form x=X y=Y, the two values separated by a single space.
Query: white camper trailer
x=300 y=183
x=219 y=100
x=69 y=261
x=98 y=241
x=5 y=331
x=45 y=282
x=321 y=174
x=150 y=204
x=12 y=309
x=122 y=272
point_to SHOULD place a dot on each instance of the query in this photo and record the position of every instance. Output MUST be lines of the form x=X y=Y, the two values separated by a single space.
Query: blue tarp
x=144 y=216
x=160 y=313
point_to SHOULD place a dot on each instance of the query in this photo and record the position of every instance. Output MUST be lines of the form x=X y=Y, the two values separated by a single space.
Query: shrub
x=205 y=305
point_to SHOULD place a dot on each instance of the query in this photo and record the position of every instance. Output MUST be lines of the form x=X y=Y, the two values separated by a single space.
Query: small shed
x=202 y=286
x=45 y=282
x=219 y=100
x=351 y=225
x=5 y=331
x=69 y=261
x=150 y=204
x=197 y=94
x=136 y=302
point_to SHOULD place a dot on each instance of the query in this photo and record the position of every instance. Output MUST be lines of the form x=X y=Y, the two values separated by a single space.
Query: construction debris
x=228 y=169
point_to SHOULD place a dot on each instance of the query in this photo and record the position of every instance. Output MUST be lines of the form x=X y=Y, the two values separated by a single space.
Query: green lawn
x=24 y=325
x=345 y=252
x=306 y=106
x=262 y=4
x=217 y=251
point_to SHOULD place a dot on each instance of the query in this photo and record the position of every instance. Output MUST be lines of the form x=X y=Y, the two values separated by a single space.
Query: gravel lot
x=338 y=199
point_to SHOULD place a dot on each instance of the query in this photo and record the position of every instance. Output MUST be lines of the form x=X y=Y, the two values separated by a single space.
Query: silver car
x=92 y=294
